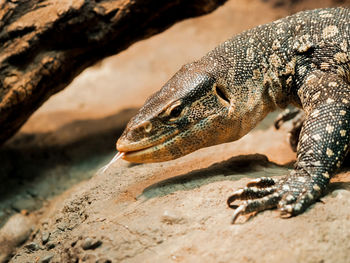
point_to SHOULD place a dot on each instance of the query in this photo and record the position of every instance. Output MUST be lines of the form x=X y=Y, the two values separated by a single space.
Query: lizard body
x=303 y=60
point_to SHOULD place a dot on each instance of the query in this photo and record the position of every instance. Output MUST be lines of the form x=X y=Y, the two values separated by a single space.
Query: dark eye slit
x=175 y=112
x=221 y=94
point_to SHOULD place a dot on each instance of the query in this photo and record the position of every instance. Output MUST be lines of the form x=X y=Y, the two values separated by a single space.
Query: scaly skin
x=302 y=60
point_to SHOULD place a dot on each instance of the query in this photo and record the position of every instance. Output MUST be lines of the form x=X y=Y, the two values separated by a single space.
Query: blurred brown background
x=74 y=133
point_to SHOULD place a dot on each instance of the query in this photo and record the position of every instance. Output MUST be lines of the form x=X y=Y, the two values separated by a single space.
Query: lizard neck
x=259 y=78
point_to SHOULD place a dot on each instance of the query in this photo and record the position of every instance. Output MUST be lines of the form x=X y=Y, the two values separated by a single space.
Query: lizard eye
x=175 y=112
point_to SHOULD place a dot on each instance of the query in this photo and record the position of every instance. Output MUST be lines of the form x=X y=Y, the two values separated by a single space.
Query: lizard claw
x=262 y=182
x=298 y=117
x=257 y=205
x=294 y=205
x=237 y=212
x=249 y=193
x=292 y=195
x=286 y=115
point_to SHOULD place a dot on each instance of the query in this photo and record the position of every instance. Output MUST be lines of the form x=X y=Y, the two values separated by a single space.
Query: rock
x=46 y=259
x=341 y=193
x=62 y=226
x=103 y=260
x=32 y=246
x=74 y=243
x=17 y=229
x=50 y=245
x=14 y=232
x=45 y=237
x=90 y=243
x=170 y=218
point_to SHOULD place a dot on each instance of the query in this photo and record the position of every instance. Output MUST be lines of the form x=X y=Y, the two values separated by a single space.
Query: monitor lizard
x=302 y=60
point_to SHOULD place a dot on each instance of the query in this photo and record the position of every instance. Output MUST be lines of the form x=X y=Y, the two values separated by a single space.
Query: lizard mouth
x=139 y=152
x=144 y=155
x=138 y=155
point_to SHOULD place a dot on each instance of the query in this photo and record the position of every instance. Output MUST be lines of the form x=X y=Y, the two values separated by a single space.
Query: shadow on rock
x=339 y=186
x=233 y=169
x=36 y=166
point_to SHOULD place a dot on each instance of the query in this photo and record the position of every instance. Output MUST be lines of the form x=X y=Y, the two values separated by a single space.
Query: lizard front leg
x=323 y=144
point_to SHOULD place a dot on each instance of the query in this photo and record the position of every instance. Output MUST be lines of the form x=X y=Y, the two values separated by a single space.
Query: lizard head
x=188 y=113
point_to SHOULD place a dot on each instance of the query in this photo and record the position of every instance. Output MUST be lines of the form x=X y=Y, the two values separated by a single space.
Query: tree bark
x=45 y=44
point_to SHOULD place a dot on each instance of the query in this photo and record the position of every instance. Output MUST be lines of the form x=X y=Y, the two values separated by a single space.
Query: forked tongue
x=115 y=158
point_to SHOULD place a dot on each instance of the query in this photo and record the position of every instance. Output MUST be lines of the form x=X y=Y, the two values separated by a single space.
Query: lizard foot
x=291 y=194
x=297 y=116
x=286 y=115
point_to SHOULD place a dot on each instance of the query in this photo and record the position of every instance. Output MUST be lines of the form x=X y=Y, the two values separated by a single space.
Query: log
x=45 y=44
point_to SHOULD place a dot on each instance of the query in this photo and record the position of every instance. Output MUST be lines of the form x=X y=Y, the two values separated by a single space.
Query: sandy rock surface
x=177 y=212
x=167 y=212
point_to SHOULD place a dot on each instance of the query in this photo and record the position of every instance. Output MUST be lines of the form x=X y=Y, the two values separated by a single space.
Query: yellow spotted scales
x=303 y=60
